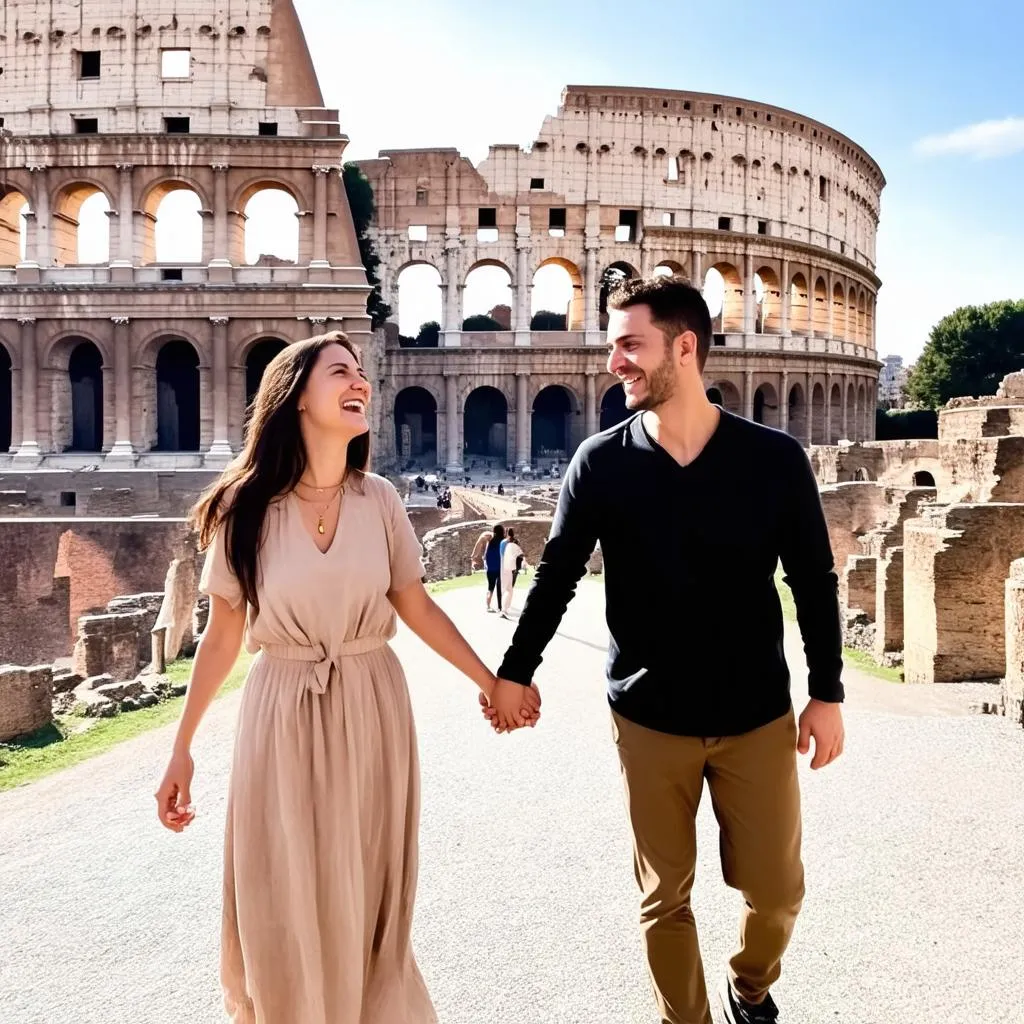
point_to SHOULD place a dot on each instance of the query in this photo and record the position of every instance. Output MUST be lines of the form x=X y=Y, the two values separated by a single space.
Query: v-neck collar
x=302 y=526
x=642 y=439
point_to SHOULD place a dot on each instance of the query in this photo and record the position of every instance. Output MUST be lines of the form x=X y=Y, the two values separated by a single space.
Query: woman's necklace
x=322 y=509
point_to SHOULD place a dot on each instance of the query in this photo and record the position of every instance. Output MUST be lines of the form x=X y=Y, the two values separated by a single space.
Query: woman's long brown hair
x=271 y=462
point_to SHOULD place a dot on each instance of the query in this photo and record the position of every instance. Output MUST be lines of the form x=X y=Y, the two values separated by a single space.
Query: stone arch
x=259 y=183
x=177 y=396
x=553 y=408
x=415 y=424
x=835 y=413
x=157 y=246
x=668 y=268
x=558 y=293
x=862 y=318
x=81 y=227
x=766 y=405
x=6 y=399
x=55 y=353
x=485 y=424
x=487 y=291
x=769 y=301
x=613 y=407
x=723 y=279
x=818 y=432
x=418 y=297
x=839 y=328
x=923 y=478
x=819 y=316
x=728 y=396
x=257 y=358
x=798 y=411
x=799 y=304
x=14 y=205
x=265 y=229
x=851 y=315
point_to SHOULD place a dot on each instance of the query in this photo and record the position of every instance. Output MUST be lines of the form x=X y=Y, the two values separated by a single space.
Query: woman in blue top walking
x=492 y=563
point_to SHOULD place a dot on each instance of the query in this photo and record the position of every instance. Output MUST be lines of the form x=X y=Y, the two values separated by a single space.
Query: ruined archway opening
x=922 y=478
x=487 y=298
x=766 y=406
x=799 y=305
x=552 y=424
x=818 y=426
x=725 y=394
x=6 y=400
x=271 y=228
x=256 y=363
x=798 y=412
x=556 y=300
x=81 y=226
x=416 y=428
x=835 y=414
x=177 y=398
x=613 y=407
x=173 y=225
x=613 y=276
x=723 y=293
x=485 y=424
x=14 y=210
x=768 y=302
x=420 y=313
x=85 y=373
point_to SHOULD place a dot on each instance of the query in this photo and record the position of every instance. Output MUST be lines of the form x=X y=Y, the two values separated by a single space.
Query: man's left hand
x=824 y=722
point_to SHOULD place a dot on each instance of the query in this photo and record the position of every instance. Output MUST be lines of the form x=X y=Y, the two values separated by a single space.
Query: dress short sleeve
x=217 y=577
x=406 y=550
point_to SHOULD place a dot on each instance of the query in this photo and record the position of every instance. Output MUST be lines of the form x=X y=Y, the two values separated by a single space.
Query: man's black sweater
x=690 y=554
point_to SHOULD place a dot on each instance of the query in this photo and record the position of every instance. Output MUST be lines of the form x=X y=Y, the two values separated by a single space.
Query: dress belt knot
x=323 y=663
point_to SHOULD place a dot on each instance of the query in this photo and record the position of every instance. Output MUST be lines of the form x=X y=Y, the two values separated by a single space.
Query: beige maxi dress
x=321 y=845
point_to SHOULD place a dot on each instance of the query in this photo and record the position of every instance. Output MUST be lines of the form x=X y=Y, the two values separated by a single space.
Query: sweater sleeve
x=806 y=554
x=569 y=545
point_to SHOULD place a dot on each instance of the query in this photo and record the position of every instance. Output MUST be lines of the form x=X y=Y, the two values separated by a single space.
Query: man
x=693 y=507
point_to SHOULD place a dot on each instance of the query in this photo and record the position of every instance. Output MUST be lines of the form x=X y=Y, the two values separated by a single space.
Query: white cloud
x=983 y=141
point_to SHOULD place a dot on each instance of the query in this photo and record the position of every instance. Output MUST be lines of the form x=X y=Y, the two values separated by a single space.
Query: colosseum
x=774 y=214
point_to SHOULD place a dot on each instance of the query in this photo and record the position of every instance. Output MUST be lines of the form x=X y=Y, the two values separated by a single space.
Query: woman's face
x=336 y=398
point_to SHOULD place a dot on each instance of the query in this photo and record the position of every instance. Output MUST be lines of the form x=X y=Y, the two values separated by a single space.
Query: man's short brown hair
x=676 y=306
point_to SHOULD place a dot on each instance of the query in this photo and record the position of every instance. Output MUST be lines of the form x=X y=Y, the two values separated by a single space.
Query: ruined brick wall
x=982 y=469
x=1013 y=680
x=448 y=551
x=889 y=604
x=956 y=562
x=851 y=511
x=54 y=571
x=26 y=696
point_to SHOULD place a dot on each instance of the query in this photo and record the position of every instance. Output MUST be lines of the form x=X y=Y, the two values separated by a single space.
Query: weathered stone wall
x=1013 y=680
x=956 y=562
x=889 y=604
x=851 y=511
x=895 y=463
x=982 y=470
x=857 y=584
x=54 y=571
x=26 y=696
x=448 y=551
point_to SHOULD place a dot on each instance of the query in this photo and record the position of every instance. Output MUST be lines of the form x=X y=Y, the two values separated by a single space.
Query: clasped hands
x=511 y=705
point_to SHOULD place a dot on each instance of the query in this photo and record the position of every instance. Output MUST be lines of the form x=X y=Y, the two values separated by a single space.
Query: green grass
x=71 y=739
x=858 y=659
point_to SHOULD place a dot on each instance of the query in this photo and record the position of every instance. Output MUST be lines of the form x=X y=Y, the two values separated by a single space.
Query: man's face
x=640 y=359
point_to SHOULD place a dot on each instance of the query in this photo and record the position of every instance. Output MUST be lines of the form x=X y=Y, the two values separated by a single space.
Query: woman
x=492 y=564
x=309 y=558
x=512 y=560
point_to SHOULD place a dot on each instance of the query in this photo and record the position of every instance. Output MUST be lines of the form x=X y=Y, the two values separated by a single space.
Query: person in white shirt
x=512 y=561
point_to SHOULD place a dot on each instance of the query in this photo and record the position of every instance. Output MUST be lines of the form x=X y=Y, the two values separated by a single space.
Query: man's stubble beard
x=661 y=388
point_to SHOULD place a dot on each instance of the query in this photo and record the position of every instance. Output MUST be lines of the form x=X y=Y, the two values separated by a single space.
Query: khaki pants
x=756 y=798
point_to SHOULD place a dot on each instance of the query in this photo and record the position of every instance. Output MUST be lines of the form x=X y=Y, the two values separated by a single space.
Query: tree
x=968 y=353
x=545 y=320
x=360 y=202
x=482 y=322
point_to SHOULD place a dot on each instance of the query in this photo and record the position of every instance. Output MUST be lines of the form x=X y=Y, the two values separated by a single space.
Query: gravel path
x=527 y=909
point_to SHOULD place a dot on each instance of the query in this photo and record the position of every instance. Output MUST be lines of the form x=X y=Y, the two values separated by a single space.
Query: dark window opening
x=739 y=111
x=686 y=105
x=487 y=217
x=177 y=125
x=626 y=231
x=719 y=339
x=421 y=197
x=725 y=223
x=86 y=125
x=822 y=187
x=68 y=499
x=172 y=274
x=89 y=64
x=717 y=109
x=268 y=127
x=556 y=217
x=762 y=227
x=536 y=183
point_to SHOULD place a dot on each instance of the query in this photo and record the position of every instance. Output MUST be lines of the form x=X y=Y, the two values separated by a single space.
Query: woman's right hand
x=174 y=797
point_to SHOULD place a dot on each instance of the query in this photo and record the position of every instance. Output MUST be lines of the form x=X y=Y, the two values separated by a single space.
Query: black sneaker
x=738 y=1011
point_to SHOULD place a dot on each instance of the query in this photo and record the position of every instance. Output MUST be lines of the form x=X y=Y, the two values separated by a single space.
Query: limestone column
x=122 y=450
x=748 y=294
x=522 y=422
x=784 y=401
x=591 y=298
x=37 y=250
x=125 y=253
x=748 y=394
x=521 y=323
x=219 y=453
x=451 y=412
x=697 y=270
x=221 y=252
x=786 y=332
x=452 y=326
x=28 y=453
x=320 y=175
x=590 y=421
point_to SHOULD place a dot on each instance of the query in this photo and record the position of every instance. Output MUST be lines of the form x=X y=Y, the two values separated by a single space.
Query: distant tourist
x=492 y=565
x=694 y=507
x=309 y=559
x=512 y=560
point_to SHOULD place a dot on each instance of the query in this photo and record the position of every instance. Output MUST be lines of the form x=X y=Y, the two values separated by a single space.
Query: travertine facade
x=134 y=362
x=634 y=181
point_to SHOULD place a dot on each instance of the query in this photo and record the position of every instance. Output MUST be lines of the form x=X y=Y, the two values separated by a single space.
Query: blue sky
x=934 y=91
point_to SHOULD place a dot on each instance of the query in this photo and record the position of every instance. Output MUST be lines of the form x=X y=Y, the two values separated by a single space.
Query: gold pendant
x=320 y=525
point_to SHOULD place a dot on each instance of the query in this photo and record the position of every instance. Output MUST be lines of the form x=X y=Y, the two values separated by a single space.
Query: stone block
x=120 y=691
x=1013 y=679
x=889 y=604
x=956 y=562
x=26 y=699
x=857 y=585
x=986 y=469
